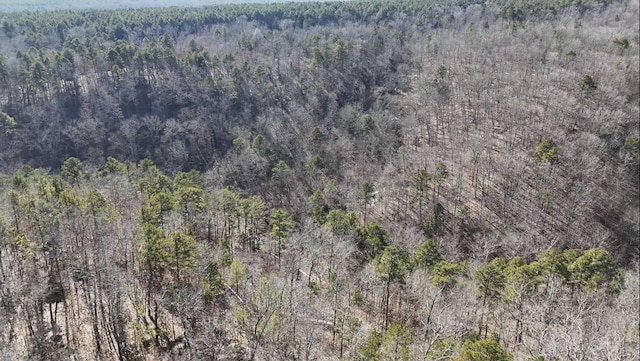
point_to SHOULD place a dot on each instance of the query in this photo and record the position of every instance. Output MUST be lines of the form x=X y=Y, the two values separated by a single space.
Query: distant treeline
x=44 y=5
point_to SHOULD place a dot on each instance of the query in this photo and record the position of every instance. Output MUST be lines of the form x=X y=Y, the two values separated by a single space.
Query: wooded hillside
x=367 y=180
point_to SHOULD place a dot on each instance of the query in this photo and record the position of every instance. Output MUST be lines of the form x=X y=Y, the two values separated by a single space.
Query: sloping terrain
x=321 y=181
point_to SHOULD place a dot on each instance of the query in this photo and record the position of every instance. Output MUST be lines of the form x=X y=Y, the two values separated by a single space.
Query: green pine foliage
x=392 y=265
x=7 y=123
x=426 y=256
x=546 y=152
x=483 y=350
x=374 y=239
x=396 y=342
x=367 y=180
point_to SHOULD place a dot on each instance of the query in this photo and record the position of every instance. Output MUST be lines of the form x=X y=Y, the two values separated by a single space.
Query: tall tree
x=420 y=182
x=191 y=203
x=396 y=343
x=391 y=266
x=237 y=275
x=184 y=253
x=213 y=288
x=156 y=256
x=281 y=226
x=440 y=176
x=521 y=280
x=72 y=169
x=343 y=226
x=374 y=240
x=490 y=283
x=366 y=193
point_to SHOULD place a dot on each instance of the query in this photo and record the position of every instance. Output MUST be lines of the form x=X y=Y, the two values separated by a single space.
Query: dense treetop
x=361 y=180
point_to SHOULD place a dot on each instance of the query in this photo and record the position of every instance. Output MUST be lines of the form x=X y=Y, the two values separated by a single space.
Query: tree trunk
x=386 y=307
x=426 y=326
x=484 y=301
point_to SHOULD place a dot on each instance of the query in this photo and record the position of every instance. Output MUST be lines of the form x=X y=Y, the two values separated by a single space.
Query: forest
x=364 y=180
x=45 y=5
